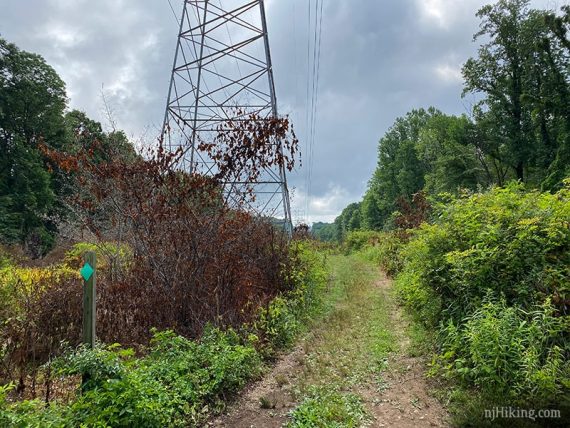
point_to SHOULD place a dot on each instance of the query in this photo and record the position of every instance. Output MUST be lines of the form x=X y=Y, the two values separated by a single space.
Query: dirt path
x=267 y=402
x=405 y=398
x=362 y=347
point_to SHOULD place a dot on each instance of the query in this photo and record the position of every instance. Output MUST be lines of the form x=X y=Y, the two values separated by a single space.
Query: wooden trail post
x=88 y=272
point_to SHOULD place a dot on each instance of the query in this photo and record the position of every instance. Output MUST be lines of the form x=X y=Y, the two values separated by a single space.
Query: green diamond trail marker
x=86 y=271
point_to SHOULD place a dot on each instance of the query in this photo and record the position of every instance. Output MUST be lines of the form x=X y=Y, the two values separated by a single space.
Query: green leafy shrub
x=97 y=365
x=328 y=408
x=505 y=350
x=176 y=384
x=5 y=259
x=509 y=241
x=357 y=240
x=134 y=400
x=493 y=272
x=280 y=322
x=33 y=414
x=203 y=372
x=109 y=255
x=28 y=414
x=387 y=252
x=424 y=302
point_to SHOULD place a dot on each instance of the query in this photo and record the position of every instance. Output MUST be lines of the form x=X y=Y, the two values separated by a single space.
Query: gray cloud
x=379 y=60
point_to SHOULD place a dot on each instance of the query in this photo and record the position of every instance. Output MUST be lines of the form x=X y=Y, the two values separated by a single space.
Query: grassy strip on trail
x=350 y=347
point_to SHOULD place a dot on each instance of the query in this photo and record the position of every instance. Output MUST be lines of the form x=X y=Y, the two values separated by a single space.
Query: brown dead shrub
x=195 y=259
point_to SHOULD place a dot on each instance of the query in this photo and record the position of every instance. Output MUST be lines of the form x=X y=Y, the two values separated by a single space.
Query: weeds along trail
x=352 y=365
x=353 y=368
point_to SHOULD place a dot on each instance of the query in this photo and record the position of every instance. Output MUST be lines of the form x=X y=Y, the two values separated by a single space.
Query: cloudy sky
x=379 y=59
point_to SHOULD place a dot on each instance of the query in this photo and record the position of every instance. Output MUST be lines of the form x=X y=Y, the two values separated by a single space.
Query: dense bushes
x=172 y=386
x=492 y=273
x=39 y=309
x=387 y=251
x=357 y=240
x=177 y=251
x=507 y=241
x=507 y=350
x=193 y=248
x=278 y=323
x=179 y=381
x=4 y=258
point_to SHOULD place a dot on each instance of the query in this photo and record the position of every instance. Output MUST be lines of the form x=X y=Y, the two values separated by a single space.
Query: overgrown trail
x=357 y=365
x=406 y=398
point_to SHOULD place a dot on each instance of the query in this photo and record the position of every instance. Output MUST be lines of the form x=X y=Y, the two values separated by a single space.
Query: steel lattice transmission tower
x=223 y=65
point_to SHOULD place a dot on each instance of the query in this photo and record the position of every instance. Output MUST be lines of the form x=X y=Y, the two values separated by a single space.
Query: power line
x=318 y=80
x=307 y=105
x=313 y=98
x=314 y=80
x=173 y=11
x=231 y=41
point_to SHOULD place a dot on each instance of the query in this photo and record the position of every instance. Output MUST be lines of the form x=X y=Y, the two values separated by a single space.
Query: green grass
x=323 y=407
x=348 y=348
x=357 y=337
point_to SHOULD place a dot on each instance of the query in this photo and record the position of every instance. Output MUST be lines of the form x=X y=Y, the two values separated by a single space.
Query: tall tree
x=370 y=212
x=499 y=73
x=85 y=133
x=399 y=172
x=355 y=220
x=348 y=221
x=448 y=154
x=556 y=97
x=32 y=101
x=25 y=196
x=323 y=231
x=522 y=73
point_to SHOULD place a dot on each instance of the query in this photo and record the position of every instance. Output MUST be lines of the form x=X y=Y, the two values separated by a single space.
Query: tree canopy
x=32 y=104
x=33 y=116
x=518 y=130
